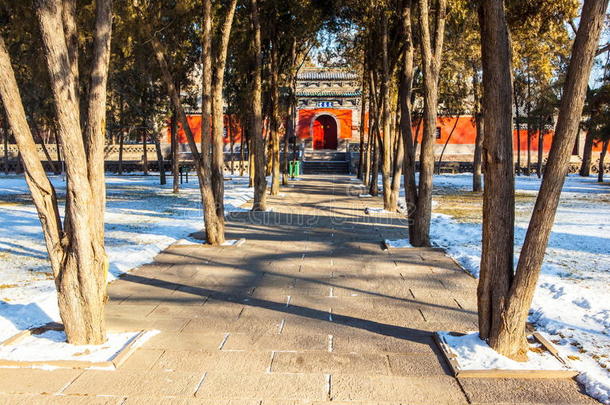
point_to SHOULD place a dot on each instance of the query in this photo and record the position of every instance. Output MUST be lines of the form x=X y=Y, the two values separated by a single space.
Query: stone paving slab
x=59 y=400
x=309 y=311
x=135 y=382
x=264 y=385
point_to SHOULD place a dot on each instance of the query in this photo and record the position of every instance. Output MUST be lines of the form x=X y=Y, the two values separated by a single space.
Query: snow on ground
x=572 y=301
x=142 y=218
x=472 y=353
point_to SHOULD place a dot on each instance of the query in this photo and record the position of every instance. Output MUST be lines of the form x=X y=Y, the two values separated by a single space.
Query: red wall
x=343 y=117
x=194 y=121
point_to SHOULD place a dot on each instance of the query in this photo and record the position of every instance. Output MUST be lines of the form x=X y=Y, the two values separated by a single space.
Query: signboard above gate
x=325 y=104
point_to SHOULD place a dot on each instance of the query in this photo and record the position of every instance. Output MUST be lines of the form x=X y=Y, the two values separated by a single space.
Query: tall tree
x=431 y=52
x=76 y=247
x=505 y=297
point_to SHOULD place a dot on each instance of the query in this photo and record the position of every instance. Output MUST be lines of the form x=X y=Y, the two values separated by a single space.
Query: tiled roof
x=356 y=93
x=324 y=74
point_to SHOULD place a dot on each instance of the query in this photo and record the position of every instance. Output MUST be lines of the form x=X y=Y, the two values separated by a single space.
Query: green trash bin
x=294 y=168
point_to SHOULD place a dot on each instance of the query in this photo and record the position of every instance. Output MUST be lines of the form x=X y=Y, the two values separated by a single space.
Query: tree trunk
x=477 y=175
x=496 y=270
x=602 y=157
x=406 y=125
x=362 y=126
x=202 y=161
x=386 y=140
x=160 y=160
x=440 y=159
x=95 y=124
x=121 y=142
x=509 y=339
x=145 y=153
x=518 y=125
x=585 y=167
x=432 y=48
x=477 y=164
x=258 y=150
x=231 y=142
x=81 y=282
x=528 y=112
x=242 y=146
x=540 y=148
x=220 y=59
x=274 y=123
x=374 y=180
x=174 y=151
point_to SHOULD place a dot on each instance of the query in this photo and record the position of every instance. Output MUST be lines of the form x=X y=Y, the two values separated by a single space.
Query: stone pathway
x=310 y=310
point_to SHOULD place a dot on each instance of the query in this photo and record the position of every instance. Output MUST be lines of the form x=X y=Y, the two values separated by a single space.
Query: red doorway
x=325 y=133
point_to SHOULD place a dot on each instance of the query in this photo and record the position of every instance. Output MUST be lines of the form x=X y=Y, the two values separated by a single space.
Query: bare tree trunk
x=145 y=153
x=274 y=123
x=43 y=192
x=220 y=60
x=231 y=142
x=432 y=49
x=406 y=84
x=477 y=175
x=386 y=140
x=518 y=125
x=202 y=162
x=496 y=269
x=528 y=112
x=440 y=159
x=95 y=126
x=477 y=170
x=585 y=167
x=160 y=161
x=362 y=126
x=121 y=134
x=258 y=150
x=174 y=152
x=81 y=281
x=242 y=146
x=540 y=148
x=121 y=142
x=602 y=157
x=509 y=339
x=367 y=153
x=374 y=181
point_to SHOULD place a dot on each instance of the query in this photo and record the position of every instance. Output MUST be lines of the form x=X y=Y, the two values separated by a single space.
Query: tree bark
x=509 y=339
x=201 y=162
x=602 y=157
x=174 y=151
x=95 y=125
x=496 y=270
x=477 y=169
x=81 y=283
x=274 y=122
x=258 y=150
x=160 y=160
x=362 y=126
x=386 y=135
x=406 y=125
x=145 y=151
x=518 y=125
x=585 y=167
x=440 y=159
x=220 y=59
x=432 y=48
